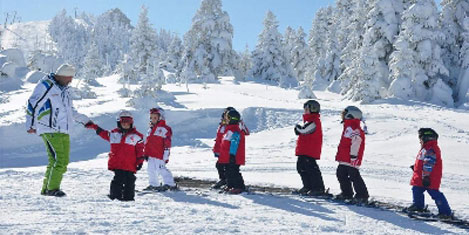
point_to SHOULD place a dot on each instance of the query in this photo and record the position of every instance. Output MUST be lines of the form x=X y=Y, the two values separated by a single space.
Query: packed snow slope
x=193 y=113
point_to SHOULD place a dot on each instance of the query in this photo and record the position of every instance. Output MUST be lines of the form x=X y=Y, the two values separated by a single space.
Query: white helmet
x=352 y=112
x=125 y=116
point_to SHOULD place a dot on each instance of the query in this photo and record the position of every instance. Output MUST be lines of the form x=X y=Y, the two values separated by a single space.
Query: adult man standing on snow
x=50 y=114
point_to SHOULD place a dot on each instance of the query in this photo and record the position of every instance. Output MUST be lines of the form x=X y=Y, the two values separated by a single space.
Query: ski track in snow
x=270 y=112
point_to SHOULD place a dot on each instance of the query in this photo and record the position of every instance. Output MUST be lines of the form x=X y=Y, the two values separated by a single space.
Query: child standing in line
x=308 y=150
x=216 y=148
x=157 y=146
x=232 y=153
x=350 y=156
x=125 y=157
x=427 y=175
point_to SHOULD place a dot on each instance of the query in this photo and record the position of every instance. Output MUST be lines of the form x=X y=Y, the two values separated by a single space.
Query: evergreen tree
x=369 y=72
x=299 y=55
x=174 y=54
x=142 y=47
x=328 y=65
x=112 y=32
x=71 y=38
x=92 y=66
x=288 y=42
x=416 y=65
x=245 y=63
x=463 y=80
x=317 y=40
x=210 y=41
x=453 y=14
x=269 y=59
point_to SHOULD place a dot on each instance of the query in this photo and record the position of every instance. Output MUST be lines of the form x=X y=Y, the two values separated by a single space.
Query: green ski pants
x=58 y=149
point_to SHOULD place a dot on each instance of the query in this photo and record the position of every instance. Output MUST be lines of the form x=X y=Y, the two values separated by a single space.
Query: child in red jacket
x=232 y=153
x=157 y=145
x=350 y=155
x=308 y=150
x=125 y=157
x=427 y=175
x=216 y=148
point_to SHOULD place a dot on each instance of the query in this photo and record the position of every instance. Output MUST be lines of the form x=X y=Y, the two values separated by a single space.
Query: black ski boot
x=219 y=184
x=55 y=193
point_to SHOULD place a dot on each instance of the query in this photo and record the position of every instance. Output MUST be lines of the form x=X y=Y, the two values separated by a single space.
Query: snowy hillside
x=270 y=112
x=29 y=36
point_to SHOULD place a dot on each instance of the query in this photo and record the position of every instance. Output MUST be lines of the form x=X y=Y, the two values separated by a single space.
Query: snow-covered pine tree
x=211 y=40
x=245 y=63
x=142 y=47
x=125 y=68
x=151 y=83
x=70 y=37
x=174 y=55
x=299 y=55
x=112 y=32
x=453 y=14
x=369 y=72
x=288 y=41
x=416 y=65
x=463 y=80
x=316 y=41
x=328 y=65
x=92 y=65
x=269 y=59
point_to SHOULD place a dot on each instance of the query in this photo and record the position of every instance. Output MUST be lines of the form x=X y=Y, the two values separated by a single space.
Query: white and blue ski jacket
x=50 y=108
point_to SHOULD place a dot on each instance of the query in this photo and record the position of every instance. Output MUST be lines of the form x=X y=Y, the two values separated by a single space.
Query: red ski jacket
x=428 y=163
x=126 y=149
x=309 y=141
x=352 y=142
x=221 y=132
x=158 y=140
x=233 y=142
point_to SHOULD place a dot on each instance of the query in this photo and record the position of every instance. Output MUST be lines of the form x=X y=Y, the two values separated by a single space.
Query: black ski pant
x=221 y=170
x=348 y=175
x=123 y=185
x=234 y=179
x=310 y=173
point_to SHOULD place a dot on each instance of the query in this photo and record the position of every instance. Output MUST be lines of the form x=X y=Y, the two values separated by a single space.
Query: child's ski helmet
x=313 y=106
x=234 y=117
x=226 y=110
x=125 y=117
x=427 y=134
x=352 y=112
x=159 y=111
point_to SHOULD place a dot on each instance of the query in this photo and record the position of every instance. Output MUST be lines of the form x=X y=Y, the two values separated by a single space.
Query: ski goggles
x=129 y=120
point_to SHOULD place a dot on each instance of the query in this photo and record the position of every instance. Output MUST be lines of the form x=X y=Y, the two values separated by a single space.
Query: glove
x=354 y=160
x=426 y=181
x=145 y=157
x=166 y=155
x=412 y=167
x=216 y=155
x=139 y=166
x=232 y=159
x=91 y=125
x=296 y=129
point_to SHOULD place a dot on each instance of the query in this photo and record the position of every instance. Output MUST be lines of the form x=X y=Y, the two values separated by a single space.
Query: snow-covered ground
x=29 y=36
x=270 y=112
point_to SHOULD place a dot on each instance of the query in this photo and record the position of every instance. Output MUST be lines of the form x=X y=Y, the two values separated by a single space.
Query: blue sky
x=176 y=15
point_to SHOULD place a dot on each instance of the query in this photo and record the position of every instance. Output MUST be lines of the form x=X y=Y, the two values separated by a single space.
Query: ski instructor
x=50 y=114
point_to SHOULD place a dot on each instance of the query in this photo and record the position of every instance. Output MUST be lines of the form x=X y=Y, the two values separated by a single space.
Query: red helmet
x=158 y=111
